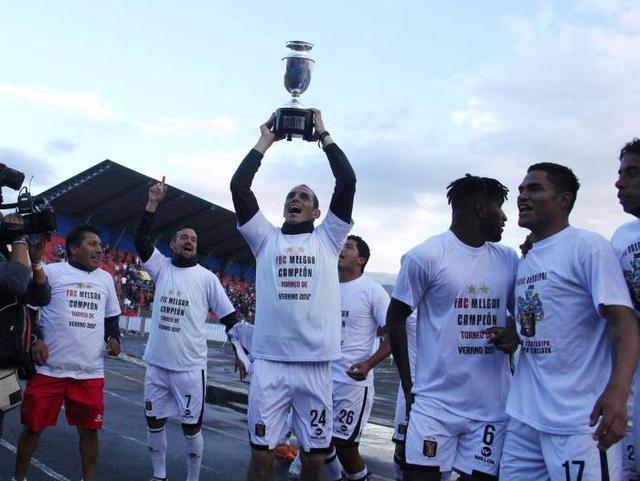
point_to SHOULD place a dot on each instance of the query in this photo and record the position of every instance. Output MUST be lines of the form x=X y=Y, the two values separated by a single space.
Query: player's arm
x=112 y=335
x=143 y=240
x=397 y=315
x=359 y=370
x=611 y=405
x=229 y=321
x=345 y=188
x=244 y=200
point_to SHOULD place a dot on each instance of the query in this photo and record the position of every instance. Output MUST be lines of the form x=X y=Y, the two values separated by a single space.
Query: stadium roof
x=113 y=196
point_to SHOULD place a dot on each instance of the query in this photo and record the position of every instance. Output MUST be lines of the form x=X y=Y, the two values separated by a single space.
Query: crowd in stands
x=135 y=288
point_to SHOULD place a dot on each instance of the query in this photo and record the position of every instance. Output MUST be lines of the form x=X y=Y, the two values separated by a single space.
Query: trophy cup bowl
x=293 y=119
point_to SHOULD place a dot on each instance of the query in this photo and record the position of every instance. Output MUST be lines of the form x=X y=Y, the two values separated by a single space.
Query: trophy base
x=293 y=122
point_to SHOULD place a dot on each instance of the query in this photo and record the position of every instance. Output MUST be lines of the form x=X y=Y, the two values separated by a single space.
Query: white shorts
x=531 y=455
x=302 y=387
x=178 y=394
x=628 y=456
x=400 y=419
x=351 y=410
x=449 y=441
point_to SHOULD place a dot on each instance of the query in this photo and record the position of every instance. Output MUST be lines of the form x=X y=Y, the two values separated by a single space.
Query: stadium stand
x=112 y=197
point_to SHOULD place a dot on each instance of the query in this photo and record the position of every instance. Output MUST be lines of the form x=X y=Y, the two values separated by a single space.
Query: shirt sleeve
x=256 y=231
x=217 y=298
x=412 y=282
x=154 y=264
x=113 y=305
x=602 y=274
x=335 y=231
x=380 y=305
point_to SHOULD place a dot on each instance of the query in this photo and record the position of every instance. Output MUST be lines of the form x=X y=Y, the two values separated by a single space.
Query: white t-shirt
x=73 y=323
x=565 y=357
x=363 y=305
x=412 y=343
x=297 y=293
x=459 y=291
x=626 y=244
x=181 y=303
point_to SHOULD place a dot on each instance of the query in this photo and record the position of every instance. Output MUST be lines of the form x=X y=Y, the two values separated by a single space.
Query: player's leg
x=269 y=404
x=84 y=408
x=88 y=444
x=352 y=407
x=399 y=435
x=312 y=415
x=522 y=458
x=188 y=389
x=159 y=405
x=431 y=443
x=577 y=457
x=41 y=404
x=479 y=450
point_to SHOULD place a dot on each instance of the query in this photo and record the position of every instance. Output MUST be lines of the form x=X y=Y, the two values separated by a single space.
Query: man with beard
x=176 y=352
x=297 y=332
x=461 y=283
x=626 y=243
x=579 y=343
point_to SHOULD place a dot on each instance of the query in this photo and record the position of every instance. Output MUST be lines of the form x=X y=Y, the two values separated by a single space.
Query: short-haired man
x=363 y=305
x=81 y=317
x=579 y=343
x=626 y=243
x=297 y=333
x=176 y=352
x=461 y=283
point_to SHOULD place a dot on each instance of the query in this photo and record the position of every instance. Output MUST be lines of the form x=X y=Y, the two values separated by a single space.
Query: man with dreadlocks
x=461 y=283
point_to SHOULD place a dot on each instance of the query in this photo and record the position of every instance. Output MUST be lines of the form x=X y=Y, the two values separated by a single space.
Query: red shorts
x=43 y=396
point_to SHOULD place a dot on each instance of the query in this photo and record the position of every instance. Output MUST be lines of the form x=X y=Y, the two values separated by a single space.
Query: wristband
x=322 y=137
x=19 y=242
x=38 y=266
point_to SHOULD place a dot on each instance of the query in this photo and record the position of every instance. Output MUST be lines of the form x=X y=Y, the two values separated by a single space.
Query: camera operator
x=22 y=282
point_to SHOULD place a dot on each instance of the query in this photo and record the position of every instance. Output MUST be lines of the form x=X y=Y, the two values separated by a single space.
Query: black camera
x=10 y=177
x=38 y=217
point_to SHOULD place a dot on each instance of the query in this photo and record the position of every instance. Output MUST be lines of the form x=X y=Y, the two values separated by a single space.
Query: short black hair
x=76 y=236
x=363 y=248
x=561 y=177
x=465 y=189
x=631 y=147
x=185 y=226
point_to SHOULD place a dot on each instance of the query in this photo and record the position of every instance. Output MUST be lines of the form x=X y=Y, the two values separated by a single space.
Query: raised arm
x=345 y=187
x=143 y=240
x=244 y=200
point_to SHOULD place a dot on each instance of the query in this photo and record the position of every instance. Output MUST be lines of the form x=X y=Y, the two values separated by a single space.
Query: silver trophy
x=293 y=119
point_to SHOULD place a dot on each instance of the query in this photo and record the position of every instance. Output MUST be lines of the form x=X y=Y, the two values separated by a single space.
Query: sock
x=157 y=442
x=361 y=476
x=332 y=467
x=193 y=448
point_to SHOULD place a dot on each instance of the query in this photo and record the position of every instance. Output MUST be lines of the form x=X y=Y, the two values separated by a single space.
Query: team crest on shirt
x=530 y=312
x=632 y=276
x=430 y=448
x=260 y=430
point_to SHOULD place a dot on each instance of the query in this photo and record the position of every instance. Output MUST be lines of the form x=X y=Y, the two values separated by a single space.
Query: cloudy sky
x=416 y=93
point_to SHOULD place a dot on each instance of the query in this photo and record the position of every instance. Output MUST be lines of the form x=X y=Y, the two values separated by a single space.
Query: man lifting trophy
x=294 y=120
